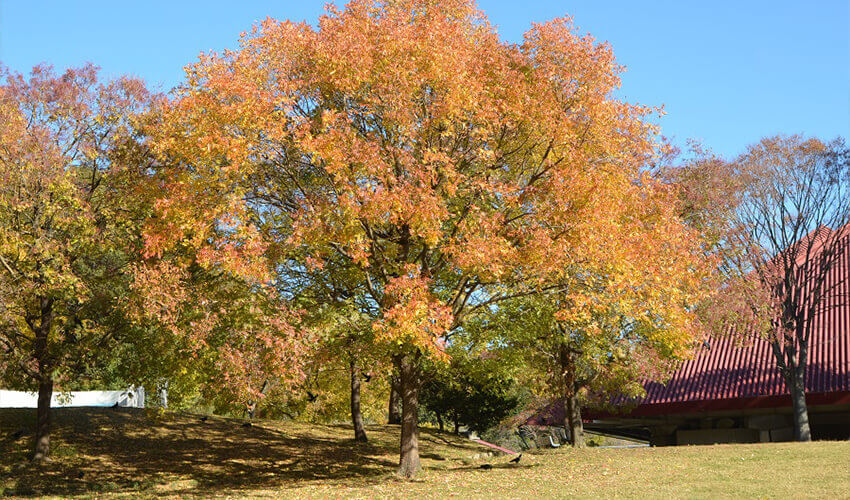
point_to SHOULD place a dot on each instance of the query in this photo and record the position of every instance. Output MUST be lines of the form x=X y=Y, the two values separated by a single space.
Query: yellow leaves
x=580 y=309
x=481 y=246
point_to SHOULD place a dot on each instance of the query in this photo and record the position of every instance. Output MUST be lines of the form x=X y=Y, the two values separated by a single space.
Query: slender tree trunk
x=253 y=405
x=42 y=425
x=572 y=407
x=41 y=450
x=356 y=413
x=409 y=464
x=797 y=388
x=574 y=423
x=456 y=421
x=440 y=421
x=791 y=360
x=394 y=417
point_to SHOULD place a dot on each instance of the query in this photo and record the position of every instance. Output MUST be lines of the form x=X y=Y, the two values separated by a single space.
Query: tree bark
x=797 y=388
x=41 y=449
x=252 y=405
x=394 y=417
x=791 y=358
x=440 y=421
x=356 y=413
x=572 y=406
x=42 y=426
x=573 y=420
x=409 y=464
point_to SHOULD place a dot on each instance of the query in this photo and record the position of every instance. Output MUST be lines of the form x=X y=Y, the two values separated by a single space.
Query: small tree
x=70 y=225
x=477 y=391
x=585 y=350
x=347 y=337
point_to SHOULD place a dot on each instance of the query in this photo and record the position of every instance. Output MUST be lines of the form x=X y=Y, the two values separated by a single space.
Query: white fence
x=133 y=397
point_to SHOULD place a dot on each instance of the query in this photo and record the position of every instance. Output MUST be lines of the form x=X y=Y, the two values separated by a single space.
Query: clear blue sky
x=728 y=72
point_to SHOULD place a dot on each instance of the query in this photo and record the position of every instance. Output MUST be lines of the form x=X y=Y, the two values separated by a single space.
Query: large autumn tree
x=70 y=225
x=446 y=169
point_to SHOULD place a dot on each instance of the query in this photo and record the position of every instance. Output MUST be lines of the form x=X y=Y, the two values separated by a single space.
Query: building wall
x=826 y=423
x=133 y=397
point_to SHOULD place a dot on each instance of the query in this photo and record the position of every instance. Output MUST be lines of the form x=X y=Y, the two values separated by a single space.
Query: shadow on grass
x=122 y=450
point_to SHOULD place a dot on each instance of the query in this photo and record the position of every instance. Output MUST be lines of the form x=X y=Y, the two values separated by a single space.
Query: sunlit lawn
x=124 y=452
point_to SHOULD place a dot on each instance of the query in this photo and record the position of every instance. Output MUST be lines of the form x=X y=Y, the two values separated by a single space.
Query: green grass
x=134 y=453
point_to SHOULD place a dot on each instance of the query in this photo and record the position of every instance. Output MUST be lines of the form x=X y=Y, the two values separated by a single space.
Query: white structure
x=134 y=397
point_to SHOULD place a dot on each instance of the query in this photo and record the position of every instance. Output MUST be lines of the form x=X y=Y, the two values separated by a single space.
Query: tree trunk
x=394 y=417
x=456 y=421
x=797 y=388
x=252 y=405
x=356 y=413
x=440 y=421
x=572 y=407
x=409 y=464
x=42 y=426
x=41 y=450
x=574 y=423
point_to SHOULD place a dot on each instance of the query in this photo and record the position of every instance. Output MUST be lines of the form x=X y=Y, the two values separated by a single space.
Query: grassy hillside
x=132 y=453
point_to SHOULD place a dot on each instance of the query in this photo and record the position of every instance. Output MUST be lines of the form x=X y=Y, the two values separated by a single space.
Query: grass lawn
x=137 y=453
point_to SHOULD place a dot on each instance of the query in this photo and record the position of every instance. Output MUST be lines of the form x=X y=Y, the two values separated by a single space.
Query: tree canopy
x=445 y=171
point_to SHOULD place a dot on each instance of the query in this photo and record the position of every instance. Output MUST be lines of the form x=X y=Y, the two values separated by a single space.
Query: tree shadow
x=124 y=450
